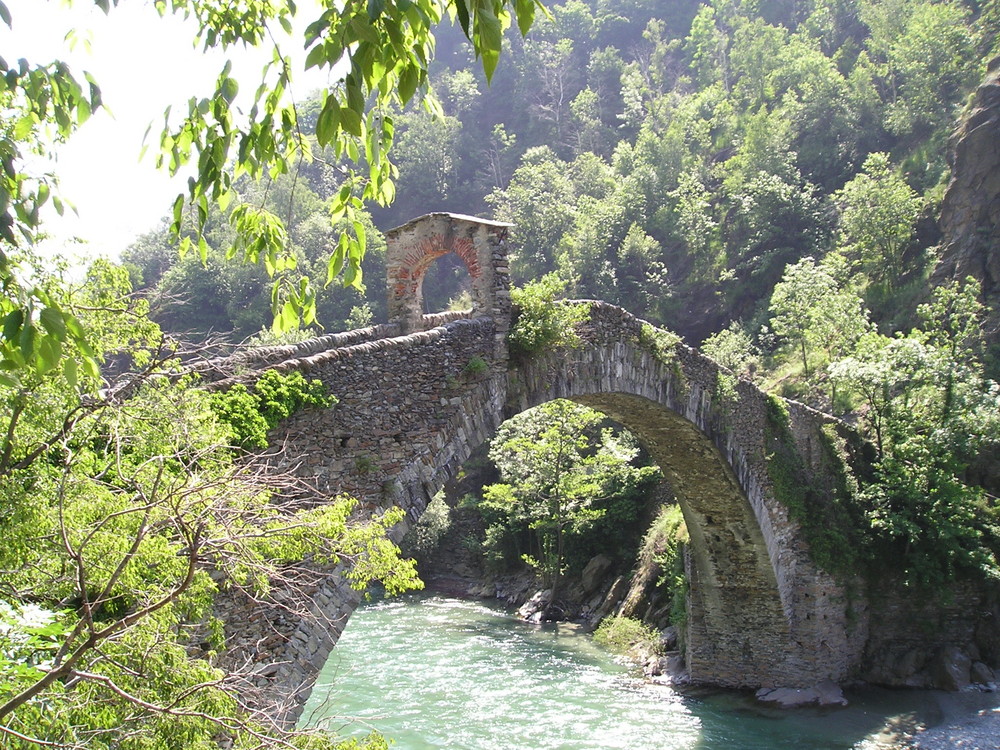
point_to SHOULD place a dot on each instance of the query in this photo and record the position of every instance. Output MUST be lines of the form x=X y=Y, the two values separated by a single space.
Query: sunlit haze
x=143 y=63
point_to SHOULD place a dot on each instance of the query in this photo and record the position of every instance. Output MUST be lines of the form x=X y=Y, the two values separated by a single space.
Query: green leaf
x=352 y=276
x=178 y=210
x=52 y=320
x=462 y=10
x=5 y=15
x=229 y=90
x=336 y=262
x=26 y=341
x=359 y=232
x=350 y=121
x=90 y=365
x=49 y=354
x=525 y=10
x=70 y=371
x=329 y=121
x=316 y=56
x=375 y=8
x=355 y=96
x=12 y=324
x=408 y=81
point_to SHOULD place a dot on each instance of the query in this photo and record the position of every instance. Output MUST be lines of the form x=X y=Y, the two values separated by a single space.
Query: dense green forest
x=763 y=178
x=671 y=162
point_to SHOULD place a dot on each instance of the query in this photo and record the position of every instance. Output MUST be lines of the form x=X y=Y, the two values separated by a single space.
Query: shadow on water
x=431 y=673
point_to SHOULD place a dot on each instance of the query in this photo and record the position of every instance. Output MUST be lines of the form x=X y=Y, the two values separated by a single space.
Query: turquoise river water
x=434 y=673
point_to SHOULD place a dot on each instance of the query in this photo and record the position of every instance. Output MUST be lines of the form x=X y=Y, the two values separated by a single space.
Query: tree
x=931 y=412
x=554 y=474
x=552 y=82
x=733 y=347
x=697 y=225
x=706 y=46
x=878 y=214
x=926 y=49
x=810 y=309
x=123 y=515
x=540 y=203
x=386 y=48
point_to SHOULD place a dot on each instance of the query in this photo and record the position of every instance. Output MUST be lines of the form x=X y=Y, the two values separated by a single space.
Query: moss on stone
x=825 y=515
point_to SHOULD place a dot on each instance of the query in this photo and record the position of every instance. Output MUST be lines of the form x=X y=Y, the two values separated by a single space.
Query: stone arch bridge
x=417 y=395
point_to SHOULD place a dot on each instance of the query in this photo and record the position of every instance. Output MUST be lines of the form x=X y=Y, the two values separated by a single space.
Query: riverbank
x=968 y=725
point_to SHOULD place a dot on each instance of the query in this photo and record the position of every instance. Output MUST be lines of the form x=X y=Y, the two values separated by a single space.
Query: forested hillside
x=671 y=159
x=764 y=178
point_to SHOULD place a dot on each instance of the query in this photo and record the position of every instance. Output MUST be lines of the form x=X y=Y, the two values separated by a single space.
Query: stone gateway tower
x=413 y=248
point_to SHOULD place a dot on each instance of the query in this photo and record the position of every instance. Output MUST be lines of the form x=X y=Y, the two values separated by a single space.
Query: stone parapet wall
x=260 y=358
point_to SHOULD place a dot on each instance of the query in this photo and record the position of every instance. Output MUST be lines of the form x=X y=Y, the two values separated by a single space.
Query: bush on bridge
x=541 y=322
x=252 y=413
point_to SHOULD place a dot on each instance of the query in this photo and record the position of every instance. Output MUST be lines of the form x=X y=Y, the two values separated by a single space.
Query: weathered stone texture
x=970 y=211
x=923 y=638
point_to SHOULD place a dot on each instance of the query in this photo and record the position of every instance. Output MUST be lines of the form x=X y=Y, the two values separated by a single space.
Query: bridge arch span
x=412 y=409
x=416 y=396
x=759 y=611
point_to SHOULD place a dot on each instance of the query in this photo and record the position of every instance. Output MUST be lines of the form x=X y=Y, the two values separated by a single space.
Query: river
x=434 y=673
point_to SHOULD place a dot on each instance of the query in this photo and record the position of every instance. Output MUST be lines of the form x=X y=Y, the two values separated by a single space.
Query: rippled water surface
x=442 y=673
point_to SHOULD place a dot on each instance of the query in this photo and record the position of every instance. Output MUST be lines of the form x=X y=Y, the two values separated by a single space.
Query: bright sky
x=143 y=63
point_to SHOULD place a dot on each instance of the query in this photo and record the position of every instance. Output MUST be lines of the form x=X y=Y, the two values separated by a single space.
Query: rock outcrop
x=970 y=212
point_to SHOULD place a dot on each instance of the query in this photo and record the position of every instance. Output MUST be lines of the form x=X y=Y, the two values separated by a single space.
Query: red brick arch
x=410 y=274
x=413 y=248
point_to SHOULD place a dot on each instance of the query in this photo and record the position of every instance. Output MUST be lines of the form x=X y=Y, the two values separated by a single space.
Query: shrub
x=623 y=634
x=476 y=366
x=426 y=533
x=541 y=322
x=251 y=414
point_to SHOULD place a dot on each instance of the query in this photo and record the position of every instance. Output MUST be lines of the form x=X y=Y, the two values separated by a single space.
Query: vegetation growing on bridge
x=252 y=412
x=541 y=323
x=830 y=519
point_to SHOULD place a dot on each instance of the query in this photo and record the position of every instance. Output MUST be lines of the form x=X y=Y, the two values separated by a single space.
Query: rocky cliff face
x=970 y=212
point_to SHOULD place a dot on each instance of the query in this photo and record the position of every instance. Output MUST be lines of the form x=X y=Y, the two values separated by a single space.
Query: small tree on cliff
x=553 y=474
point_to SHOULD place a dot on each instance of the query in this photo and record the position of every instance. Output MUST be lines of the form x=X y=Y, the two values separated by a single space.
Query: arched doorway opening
x=413 y=248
